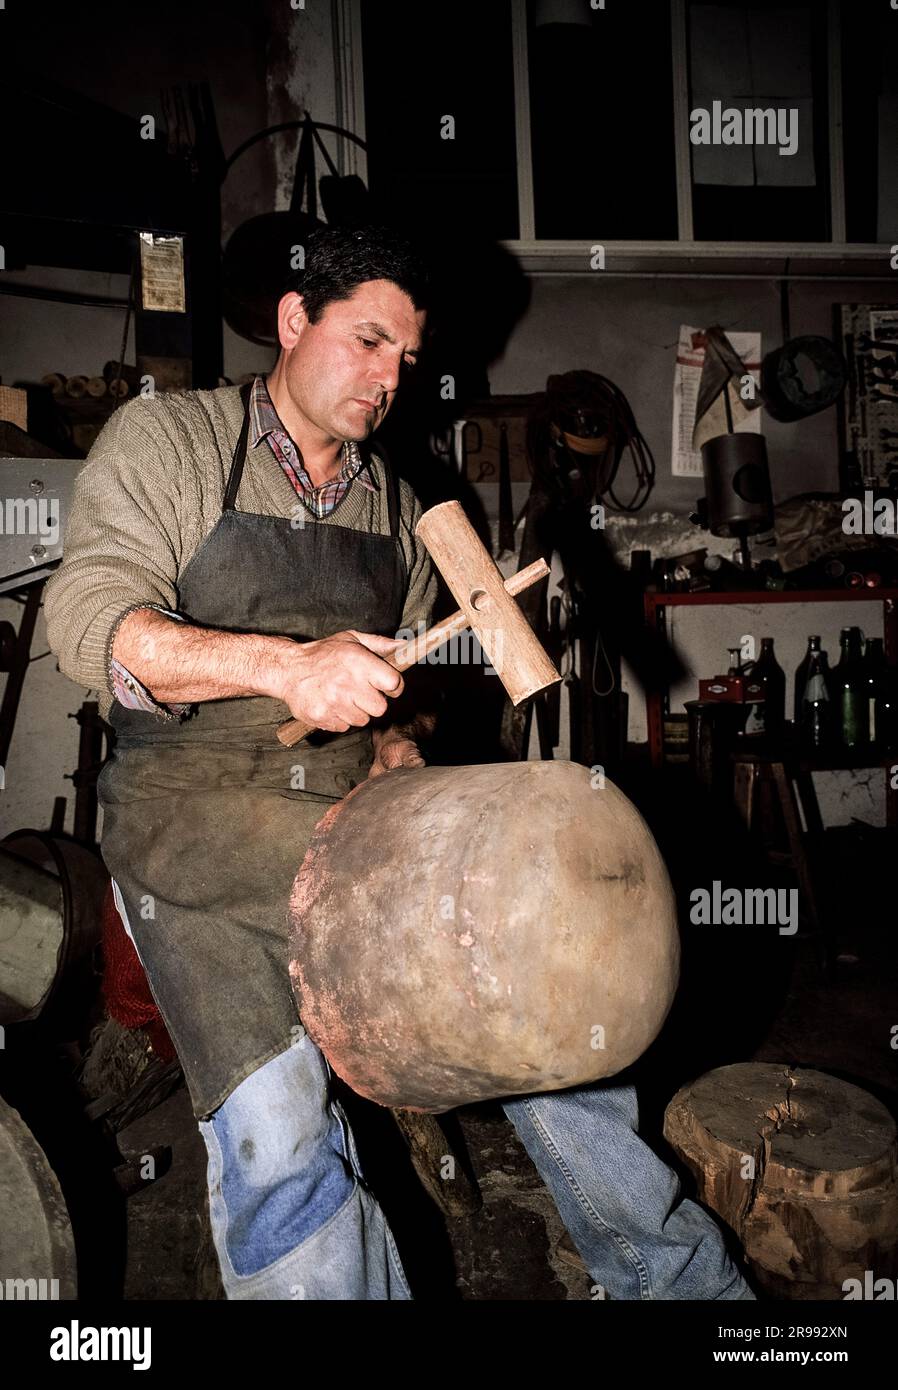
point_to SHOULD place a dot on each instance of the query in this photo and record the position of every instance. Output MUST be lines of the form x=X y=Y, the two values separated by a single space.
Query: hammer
x=486 y=605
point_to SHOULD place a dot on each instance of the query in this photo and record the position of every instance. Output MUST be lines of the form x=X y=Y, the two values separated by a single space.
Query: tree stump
x=802 y=1167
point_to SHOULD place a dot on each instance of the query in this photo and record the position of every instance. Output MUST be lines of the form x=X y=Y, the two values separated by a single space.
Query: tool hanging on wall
x=870 y=405
x=722 y=368
x=804 y=376
x=253 y=266
x=506 y=506
x=578 y=436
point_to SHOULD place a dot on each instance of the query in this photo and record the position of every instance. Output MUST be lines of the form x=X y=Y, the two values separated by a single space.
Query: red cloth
x=126 y=989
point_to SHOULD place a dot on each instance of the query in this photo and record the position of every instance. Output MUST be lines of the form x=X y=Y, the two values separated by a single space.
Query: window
x=870 y=121
x=440 y=114
x=771 y=182
x=601 y=129
x=571 y=123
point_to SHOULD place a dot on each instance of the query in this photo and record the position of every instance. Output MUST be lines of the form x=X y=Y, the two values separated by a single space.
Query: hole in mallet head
x=479 y=600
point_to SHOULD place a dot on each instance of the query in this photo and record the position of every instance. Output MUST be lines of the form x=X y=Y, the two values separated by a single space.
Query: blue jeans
x=619 y=1201
x=292 y=1218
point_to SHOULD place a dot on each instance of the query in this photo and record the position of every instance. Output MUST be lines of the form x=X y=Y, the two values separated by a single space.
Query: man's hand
x=397 y=745
x=334 y=684
x=340 y=681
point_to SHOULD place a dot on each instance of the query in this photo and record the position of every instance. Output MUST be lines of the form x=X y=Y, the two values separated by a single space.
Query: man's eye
x=369 y=342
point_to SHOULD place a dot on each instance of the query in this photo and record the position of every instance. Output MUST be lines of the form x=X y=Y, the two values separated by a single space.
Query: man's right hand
x=332 y=684
x=338 y=682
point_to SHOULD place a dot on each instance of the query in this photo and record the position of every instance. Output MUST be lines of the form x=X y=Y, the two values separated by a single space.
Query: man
x=202 y=622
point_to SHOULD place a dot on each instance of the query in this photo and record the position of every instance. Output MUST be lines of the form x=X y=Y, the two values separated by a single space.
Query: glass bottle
x=850 y=691
x=816 y=707
x=886 y=711
x=768 y=669
x=875 y=675
x=801 y=675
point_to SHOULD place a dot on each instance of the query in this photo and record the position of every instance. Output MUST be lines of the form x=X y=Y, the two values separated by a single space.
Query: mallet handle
x=412 y=651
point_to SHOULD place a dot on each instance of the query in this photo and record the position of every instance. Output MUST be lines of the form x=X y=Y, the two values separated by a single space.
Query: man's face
x=343 y=371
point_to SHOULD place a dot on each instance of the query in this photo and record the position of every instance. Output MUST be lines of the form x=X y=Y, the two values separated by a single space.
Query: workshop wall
x=627 y=330
x=246 y=53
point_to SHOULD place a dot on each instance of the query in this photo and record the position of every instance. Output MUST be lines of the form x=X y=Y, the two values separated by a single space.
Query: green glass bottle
x=850 y=690
x=876 y=675
x=886 y=713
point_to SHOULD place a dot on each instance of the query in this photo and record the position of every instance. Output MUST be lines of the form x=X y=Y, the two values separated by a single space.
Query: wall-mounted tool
x=804 y=376
x=506 y=505
x=865 y=343
x=872 y=397
x=256 y=260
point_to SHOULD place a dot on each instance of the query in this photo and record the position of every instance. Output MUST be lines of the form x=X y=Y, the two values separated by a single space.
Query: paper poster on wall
x=686 y=458
x=162 y=273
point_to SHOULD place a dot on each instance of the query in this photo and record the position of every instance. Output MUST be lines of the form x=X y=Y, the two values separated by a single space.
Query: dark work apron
x=206 y=821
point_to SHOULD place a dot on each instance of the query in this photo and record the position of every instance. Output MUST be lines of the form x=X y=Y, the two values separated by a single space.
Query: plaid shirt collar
x=265 y=423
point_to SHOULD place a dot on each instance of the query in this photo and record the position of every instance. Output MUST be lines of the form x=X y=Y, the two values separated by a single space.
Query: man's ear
x=292 y=319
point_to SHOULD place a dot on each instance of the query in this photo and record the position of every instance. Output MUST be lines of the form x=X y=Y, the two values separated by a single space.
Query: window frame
x=685 y=255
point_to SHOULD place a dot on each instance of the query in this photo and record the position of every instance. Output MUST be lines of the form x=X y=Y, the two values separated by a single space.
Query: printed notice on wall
x=686 y=458
x=162 y=273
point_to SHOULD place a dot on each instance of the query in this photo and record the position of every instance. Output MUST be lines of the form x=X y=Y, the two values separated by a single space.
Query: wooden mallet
x=486 y=605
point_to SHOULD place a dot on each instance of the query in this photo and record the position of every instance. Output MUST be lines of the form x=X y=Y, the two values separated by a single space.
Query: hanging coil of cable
x=580 y=435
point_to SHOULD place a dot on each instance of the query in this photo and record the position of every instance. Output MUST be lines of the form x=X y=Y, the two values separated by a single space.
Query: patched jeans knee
x=291 y=1216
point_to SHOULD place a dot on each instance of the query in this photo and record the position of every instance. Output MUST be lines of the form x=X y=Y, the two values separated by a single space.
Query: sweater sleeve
x=122 y=542
x=133 y=694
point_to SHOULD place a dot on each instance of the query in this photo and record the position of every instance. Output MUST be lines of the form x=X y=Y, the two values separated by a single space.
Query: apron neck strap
x=392 y=498
x=239 y=455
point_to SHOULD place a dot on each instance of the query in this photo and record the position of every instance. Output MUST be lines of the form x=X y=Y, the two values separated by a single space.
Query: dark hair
x=339 y=259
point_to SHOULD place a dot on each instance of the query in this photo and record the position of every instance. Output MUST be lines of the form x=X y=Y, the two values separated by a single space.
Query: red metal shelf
x=654 y=601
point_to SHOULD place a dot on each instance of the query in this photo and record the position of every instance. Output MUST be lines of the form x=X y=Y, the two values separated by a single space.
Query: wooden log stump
x=802 y=1167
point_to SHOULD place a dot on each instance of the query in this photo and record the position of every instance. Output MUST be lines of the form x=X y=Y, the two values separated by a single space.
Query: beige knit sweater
x=149 y=493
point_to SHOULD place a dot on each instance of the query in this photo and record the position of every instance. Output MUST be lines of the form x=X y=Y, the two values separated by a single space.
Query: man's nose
x=387 y=376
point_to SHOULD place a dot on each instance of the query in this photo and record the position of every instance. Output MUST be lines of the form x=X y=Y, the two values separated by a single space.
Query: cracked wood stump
x=800 y=1166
